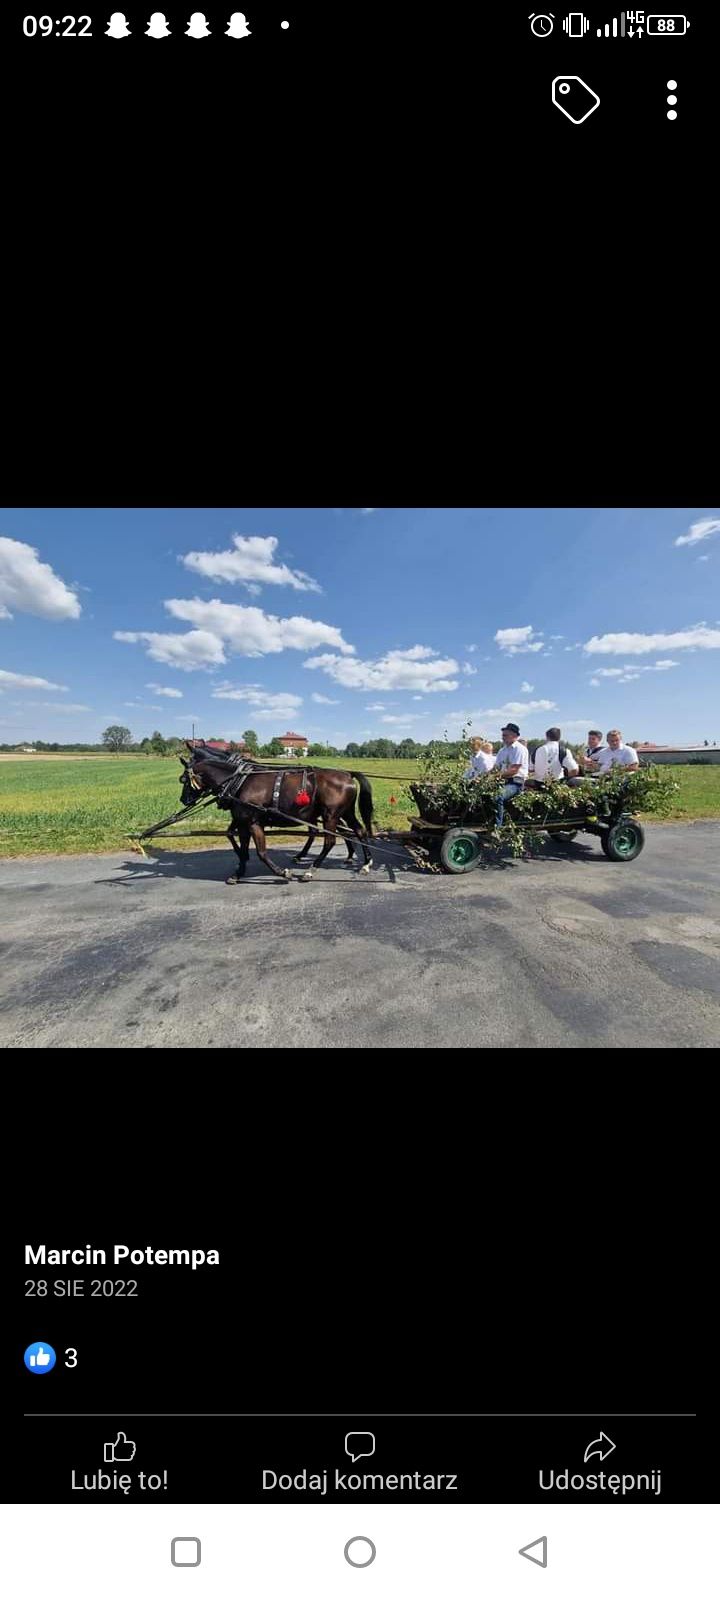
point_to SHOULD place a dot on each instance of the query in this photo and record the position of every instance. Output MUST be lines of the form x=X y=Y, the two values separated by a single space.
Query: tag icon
x=574 y=97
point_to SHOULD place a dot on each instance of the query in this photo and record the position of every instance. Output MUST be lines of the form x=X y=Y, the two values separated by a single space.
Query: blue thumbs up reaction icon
x=40 y=1358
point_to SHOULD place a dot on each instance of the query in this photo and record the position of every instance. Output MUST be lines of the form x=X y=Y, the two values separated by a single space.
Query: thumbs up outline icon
x=122 y=1450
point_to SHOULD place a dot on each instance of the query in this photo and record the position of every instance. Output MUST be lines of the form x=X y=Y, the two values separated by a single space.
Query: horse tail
x=365 y=801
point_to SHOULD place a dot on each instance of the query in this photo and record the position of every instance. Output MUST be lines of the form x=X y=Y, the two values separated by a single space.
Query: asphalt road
x=565 y=950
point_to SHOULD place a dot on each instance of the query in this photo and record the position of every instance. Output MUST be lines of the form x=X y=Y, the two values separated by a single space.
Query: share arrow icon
x=541 y=1559
x=597 y=1448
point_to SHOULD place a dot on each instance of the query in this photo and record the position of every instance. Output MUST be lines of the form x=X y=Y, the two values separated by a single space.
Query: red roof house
x=294 y=744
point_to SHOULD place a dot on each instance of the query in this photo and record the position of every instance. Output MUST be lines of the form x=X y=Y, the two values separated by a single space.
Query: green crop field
x=72 y=806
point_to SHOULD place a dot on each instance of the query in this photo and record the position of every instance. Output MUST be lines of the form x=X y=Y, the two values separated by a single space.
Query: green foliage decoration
x=443 y=795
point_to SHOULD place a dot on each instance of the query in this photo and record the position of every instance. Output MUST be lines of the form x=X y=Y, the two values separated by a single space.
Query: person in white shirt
x=482 y=761
x=594 y=745
x=615 y=754
x=512 y=759
x=553 y=760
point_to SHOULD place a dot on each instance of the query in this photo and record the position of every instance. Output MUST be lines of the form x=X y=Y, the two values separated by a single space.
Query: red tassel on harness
x=302 y=798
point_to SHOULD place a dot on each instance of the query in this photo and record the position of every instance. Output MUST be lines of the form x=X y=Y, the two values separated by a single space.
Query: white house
x=294 y=744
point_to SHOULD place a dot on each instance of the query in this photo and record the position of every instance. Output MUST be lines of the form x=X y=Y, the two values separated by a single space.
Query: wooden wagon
x=452 y=843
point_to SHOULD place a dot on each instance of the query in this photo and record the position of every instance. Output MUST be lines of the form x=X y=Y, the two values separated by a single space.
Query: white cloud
x=703 y=558
x=274 y=715
x=403 y=722
x=249 y=631
x=246 y=630
x=55 y=705
x=140 y=705
x=657 y=666
x=255 y=696
x=517 y=641
x=699 y=531
x=29 y=584
x=628 y=672
x=515 y=707
x=398 y=669
x=367 y=511
x=324 y=700
x=470 y=672
x=697 y=637
x=557 y=636
x=526 y=688
x=189 y=652
x=172 y=694
x=251 y=562
x=375 y=707
x=471 y=648
x=19 y=680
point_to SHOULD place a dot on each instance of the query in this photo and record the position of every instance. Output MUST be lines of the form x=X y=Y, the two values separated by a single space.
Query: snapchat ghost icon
x=198 y=28
x=238 y=28
x=158 y=28
x=118 y=28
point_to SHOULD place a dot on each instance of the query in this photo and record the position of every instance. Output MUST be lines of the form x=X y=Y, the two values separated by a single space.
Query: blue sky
x=360 y=622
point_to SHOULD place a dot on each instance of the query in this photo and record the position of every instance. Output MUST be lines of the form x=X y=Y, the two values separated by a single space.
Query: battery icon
x=665 y=24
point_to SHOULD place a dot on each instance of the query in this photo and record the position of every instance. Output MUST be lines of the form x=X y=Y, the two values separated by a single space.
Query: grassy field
x=70 y=806
x=94 y=802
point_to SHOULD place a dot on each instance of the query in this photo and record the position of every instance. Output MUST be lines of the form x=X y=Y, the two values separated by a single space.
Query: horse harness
x=231 y=790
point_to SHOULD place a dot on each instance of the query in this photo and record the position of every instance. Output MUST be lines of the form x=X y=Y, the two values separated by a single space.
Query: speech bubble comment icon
x=359 y=1444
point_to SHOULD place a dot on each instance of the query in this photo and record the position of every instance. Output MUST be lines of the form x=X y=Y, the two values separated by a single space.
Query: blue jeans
x=507 y=790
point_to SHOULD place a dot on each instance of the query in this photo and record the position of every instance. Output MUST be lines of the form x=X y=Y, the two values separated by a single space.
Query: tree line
x=119 y=740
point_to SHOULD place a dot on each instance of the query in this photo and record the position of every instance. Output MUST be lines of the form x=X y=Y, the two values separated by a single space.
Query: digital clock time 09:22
x=62 y=27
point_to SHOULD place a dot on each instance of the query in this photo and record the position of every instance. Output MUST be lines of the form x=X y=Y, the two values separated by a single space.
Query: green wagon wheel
x=460 y=850
x=624 y=841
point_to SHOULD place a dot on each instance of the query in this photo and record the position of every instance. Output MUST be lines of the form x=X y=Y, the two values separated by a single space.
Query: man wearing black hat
x=512 y=758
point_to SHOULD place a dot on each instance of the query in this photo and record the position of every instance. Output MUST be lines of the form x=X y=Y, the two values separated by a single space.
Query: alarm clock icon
x=541 y=24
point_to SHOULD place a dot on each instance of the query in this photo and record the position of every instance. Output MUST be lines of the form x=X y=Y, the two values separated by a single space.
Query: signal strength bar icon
x=611 y=30
x=576 y=24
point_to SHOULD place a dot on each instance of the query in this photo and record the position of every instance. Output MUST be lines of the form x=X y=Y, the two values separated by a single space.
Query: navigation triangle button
x=540 y=1546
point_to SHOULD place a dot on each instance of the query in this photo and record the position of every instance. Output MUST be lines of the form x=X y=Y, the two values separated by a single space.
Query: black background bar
x=499 y=1459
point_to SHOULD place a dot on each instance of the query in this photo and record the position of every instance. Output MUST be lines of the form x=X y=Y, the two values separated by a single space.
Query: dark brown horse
x=257 y=796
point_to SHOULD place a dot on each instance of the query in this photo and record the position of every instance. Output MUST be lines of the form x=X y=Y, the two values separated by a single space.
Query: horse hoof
x=306 y=877
x=366 y=868
x=287 y=875
x=234 y=879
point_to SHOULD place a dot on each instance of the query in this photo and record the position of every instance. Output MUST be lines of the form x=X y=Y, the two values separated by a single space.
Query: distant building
x=26 y=749
x=294 y=744
x=676 y=755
